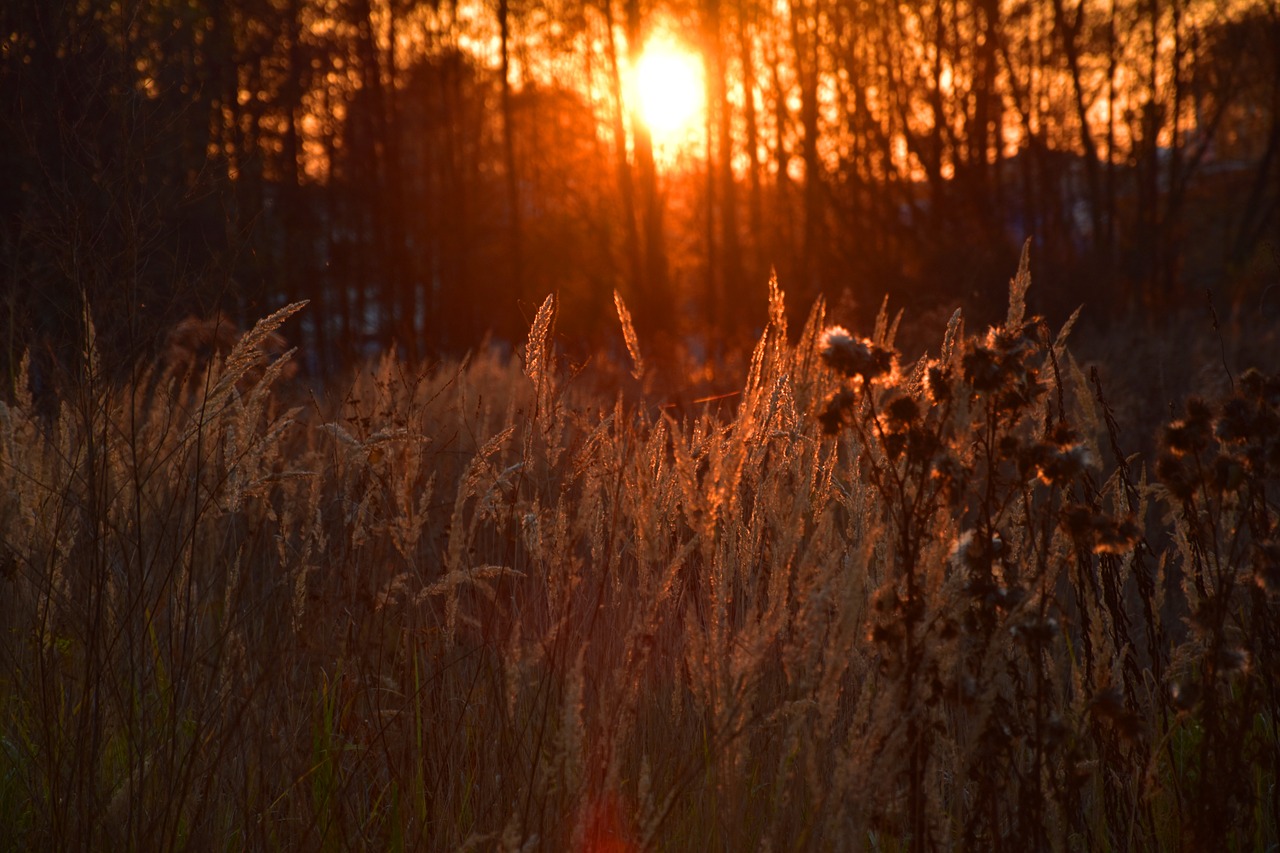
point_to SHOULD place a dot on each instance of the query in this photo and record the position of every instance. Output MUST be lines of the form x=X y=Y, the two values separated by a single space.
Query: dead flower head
x=852 y=356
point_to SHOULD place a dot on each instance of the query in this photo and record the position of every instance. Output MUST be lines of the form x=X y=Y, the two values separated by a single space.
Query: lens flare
x=669 y=91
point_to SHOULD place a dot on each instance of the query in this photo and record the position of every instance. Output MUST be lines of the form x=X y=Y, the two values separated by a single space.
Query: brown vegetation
x=197 y=344
x=878 y=605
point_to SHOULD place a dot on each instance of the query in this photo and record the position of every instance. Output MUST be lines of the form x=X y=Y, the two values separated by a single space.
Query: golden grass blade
x=629 y=335
x=1018 y=289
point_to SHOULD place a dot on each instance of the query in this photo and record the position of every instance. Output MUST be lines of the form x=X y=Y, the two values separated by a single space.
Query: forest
x=424 y=173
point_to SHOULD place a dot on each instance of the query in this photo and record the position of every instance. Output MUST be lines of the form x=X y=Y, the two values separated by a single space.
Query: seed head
x=1185 y=437
x=1062 y=436
x=1237 y=422
x=937 y=383
x=902 y=412
x=1012 y=341
x=1099 y=531
x=835 y=413
x=1115 y=536
x=982 y=369
x=1178 y=477
x=835 y=339
x=1233 y=659
x=1058 y=465
x=1258 y=386
x=852 y=356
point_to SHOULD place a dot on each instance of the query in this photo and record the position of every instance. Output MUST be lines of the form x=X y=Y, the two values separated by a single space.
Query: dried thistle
x=854 y=357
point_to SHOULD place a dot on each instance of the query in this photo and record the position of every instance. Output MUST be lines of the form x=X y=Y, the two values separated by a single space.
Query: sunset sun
x=669 y=90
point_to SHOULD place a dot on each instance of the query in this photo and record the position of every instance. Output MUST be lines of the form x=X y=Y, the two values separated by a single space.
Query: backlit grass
x=878 y=604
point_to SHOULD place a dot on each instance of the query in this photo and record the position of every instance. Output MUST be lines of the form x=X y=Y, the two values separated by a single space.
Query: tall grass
x=879 y=605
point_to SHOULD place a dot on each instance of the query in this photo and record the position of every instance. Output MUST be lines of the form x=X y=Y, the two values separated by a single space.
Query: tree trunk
x=655 y=306
x=509 y=150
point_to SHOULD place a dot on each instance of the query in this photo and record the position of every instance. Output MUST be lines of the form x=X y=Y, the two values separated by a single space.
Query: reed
x=878 y=604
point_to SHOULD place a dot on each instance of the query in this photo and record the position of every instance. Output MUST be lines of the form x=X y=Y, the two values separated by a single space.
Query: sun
x=669 y=91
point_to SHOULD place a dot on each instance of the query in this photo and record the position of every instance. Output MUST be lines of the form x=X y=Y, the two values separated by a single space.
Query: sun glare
x=669 y=91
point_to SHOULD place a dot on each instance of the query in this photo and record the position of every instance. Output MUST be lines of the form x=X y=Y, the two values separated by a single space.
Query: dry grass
x=877 y=606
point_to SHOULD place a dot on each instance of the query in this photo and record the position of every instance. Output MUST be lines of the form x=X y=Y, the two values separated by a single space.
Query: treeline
x=424 y=172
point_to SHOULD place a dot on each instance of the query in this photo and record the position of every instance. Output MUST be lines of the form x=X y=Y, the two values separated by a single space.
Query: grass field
x=869 y=603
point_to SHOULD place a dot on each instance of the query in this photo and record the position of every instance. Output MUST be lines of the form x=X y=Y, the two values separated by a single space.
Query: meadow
x=987 y=599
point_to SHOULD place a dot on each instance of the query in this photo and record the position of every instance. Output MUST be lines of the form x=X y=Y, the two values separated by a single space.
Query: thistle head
x=852 y=356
